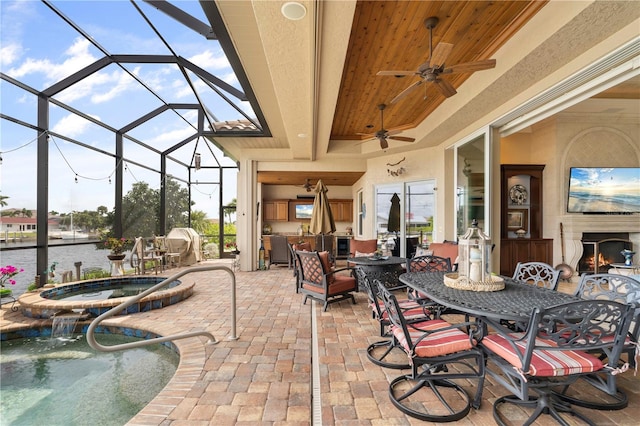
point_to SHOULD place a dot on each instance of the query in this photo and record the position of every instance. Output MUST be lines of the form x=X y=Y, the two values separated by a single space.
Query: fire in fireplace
x=600 y=250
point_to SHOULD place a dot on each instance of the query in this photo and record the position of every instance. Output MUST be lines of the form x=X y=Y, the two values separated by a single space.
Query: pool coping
x=33 y=305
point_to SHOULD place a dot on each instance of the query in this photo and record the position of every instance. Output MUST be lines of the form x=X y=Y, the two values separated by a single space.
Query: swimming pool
x=65 y=382
x=98 y=296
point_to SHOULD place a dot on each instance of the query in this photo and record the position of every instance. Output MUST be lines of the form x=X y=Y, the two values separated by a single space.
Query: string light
x=21 y=146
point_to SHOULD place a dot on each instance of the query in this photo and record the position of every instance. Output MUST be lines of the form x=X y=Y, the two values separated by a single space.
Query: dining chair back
x=537 y=273
x=426 y=263
x=560 y=345
x=320 y=282
x=439 y=352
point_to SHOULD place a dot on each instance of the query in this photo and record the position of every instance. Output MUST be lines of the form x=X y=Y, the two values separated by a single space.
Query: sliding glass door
x=405 y=216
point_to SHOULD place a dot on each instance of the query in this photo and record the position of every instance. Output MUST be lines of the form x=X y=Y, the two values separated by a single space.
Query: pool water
x=63 y=381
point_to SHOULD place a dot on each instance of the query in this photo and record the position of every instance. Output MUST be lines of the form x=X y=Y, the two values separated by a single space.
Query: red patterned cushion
x=544 y=363
x=437 y=343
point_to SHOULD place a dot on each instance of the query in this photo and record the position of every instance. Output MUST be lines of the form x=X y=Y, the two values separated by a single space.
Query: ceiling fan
x=431 y=70
x=308 y=185
x=382 y=135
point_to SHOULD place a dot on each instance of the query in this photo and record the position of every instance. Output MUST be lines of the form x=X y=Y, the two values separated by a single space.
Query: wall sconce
x=197 y=160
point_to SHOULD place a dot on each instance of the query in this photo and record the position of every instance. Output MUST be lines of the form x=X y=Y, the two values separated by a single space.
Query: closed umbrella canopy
x=393 y=223
x=321 y=217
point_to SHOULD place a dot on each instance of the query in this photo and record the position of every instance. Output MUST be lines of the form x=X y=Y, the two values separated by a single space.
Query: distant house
x=21 y=224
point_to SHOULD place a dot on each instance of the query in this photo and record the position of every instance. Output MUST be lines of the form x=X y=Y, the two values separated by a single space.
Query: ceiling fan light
x=293 y=10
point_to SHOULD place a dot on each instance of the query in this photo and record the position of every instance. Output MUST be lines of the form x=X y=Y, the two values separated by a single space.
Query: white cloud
x=78 y=57
x=208 y=61
x=9 y=54
x=72 y=126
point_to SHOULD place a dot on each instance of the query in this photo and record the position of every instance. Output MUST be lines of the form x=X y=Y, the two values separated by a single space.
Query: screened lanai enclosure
x=115 y=107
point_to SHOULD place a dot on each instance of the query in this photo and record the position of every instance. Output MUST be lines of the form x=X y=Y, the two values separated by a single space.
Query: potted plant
x=232 y=245
x=117 y=246
x=6 y=276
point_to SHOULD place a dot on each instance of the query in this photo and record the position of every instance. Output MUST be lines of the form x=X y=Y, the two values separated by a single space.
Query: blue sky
x=39 y=49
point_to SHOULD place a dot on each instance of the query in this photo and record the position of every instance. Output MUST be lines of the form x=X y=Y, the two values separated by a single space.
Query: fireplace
x=600 y=250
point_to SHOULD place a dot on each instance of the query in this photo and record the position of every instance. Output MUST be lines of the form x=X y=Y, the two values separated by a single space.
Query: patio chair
x=537 y=273
x=439 y=353
x=319 y=281
x=555 y=350
x=140 y=257
x=381 y=352
x=618 y=288
x=279 y=252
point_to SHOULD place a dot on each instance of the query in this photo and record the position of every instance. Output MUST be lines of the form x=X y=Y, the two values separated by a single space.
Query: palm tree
x=3 y=203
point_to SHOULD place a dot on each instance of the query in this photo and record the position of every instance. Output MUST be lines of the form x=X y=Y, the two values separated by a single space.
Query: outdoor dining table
x=386 y=269
x=515 y=302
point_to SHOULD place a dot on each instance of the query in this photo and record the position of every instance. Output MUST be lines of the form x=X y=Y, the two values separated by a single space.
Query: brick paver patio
x=265 y=375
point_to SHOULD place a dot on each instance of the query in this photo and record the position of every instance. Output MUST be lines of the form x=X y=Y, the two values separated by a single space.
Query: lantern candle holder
x=474 y=263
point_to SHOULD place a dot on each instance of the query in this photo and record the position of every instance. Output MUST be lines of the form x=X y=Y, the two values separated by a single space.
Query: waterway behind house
x=65 y=256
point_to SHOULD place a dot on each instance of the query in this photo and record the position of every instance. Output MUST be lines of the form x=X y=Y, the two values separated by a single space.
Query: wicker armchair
x=279 y=252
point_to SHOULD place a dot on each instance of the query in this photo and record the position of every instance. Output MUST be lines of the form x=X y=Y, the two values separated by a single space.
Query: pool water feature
x=62 y=381
x=98 y=296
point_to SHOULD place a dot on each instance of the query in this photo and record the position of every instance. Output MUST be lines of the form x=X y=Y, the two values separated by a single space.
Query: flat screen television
x=604 y=190
x=303 y=211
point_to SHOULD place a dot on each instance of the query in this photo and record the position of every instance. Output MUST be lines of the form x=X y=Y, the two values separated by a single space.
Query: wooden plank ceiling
x=301 y=178
x=391 y=35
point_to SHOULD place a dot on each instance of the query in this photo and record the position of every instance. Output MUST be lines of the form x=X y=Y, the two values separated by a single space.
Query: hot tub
x=96 y=297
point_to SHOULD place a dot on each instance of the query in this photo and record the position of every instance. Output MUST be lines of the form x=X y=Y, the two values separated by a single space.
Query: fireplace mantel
x=575 y=225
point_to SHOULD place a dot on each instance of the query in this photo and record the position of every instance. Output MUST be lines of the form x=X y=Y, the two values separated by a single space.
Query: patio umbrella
x=393 y=223
x=321 y=217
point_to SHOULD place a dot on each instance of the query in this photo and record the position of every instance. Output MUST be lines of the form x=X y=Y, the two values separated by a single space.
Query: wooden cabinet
x=342 y=210
x=284 y=210
x=521 y=207
x=275 y=211
x=516 y=250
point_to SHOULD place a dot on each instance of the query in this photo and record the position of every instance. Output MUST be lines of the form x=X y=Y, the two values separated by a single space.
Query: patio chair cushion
x=340 y=284
x=545 y=363
x=327 y=266
x=302 y=247
x=363 y=246
x=438 y=343
x=360 y=254
x=446 y=249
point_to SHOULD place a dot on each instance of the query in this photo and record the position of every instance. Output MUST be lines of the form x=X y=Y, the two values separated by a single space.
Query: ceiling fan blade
x=440 y=54
x=383 y=143
x=394 y=73
x=402 y=138
x=368 y=135
x=445 y=87
x=471 y=66
x=406 y=91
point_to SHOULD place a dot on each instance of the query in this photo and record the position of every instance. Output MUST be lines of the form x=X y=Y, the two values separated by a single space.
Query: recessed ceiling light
x=293 y=10
x=302 y=135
